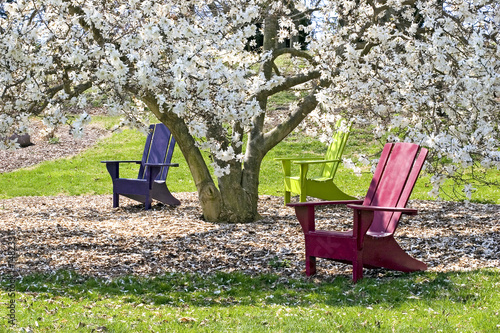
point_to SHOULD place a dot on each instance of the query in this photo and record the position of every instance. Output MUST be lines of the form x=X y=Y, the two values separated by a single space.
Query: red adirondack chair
x=371 y=242
x=151 y=181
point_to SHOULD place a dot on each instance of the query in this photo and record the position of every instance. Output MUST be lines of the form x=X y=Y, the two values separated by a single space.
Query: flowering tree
x=427 y=72
x=424 y=71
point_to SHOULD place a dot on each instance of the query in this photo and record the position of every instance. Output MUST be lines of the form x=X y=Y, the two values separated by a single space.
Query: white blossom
x=468 y=189
x=424 y=72
x=349 y=164
x=220 y=171
x=226 y=155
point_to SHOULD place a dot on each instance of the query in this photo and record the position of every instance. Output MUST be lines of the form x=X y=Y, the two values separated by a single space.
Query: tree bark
x=239 y=201
x=208 y=194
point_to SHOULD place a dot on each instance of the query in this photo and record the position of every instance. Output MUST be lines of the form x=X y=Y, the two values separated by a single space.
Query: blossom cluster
x=426 y=72
x=422 y=71
x=190 y=59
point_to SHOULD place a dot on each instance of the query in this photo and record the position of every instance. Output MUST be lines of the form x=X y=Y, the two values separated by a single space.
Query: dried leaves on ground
x=85 y=234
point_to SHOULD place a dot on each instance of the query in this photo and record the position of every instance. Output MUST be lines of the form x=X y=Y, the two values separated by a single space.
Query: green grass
x=235 y=302
x=84 y=174
x=281 y=98
x=107 y=122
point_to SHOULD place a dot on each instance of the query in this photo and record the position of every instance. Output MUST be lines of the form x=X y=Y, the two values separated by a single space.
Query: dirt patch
x=85 y=234
x=43 y=150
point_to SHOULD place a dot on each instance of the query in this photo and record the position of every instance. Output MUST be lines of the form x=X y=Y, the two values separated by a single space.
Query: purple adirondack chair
x=150 y=183
x=371 y=242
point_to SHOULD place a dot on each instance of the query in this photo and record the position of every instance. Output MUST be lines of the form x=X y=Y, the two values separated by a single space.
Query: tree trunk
x=239 y=203
x=208 y=194
x=232 y=201
x=236 y=198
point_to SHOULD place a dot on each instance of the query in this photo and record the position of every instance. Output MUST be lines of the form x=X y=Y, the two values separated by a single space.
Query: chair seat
x=378 y=234
x=132 y=180
x=348 y=233
x=316 y=179
x=327 y=233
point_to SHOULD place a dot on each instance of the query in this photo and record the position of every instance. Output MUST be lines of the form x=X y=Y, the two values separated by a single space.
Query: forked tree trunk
x=239 y=203
x=236 y=197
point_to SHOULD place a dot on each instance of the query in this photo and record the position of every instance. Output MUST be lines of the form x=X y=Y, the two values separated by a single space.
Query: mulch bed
x=43 y=150
x=87 y=235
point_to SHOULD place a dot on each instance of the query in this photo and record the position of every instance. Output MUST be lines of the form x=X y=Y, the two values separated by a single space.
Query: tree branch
x=290 y=82
x=75 y=10
x=277 y=134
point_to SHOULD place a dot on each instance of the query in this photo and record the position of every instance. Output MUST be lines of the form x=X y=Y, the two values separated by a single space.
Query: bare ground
x=85 y=234
x=42 y=150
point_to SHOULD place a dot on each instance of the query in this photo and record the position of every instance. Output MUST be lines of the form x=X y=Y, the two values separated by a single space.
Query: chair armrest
x=305 y=211
x=324 y=203
x=403 y=210
x=161 y=164
x=294 y=158
x=315 y=161
x=286 y=164
x=114 y=167
x=137 y=162
x=155 y=169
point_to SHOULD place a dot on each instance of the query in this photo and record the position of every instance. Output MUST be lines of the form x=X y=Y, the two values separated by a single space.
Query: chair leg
x=357 y=271
x=357 y=267
x=303 y=197
x=161 y=193
x=287 y=197
x=310 y=265
x=116 y=199
x=147 y=203
x=386 y=252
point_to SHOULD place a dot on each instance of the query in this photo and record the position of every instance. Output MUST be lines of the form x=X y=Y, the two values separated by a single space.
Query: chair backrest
x=335 y=151
x=393 y=181
x=158 y=149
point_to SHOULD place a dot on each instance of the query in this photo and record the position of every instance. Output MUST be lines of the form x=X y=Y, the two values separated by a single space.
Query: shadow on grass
x=228 y=289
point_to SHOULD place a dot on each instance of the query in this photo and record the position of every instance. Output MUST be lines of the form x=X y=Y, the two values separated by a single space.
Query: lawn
x=64 y=301
x=222 y=302
x=84 y=174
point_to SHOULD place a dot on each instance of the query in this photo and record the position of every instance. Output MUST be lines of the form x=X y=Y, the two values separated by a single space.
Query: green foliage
x=276 y=262
x=227 y=302
x=54 y=140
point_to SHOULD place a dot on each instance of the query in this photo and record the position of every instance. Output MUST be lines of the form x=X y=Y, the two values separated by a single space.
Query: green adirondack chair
x=321 y=186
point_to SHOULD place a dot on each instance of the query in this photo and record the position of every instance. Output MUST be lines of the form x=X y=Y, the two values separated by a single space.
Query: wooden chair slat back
x=159 y=148
x=393 y=182
x=335 y=151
